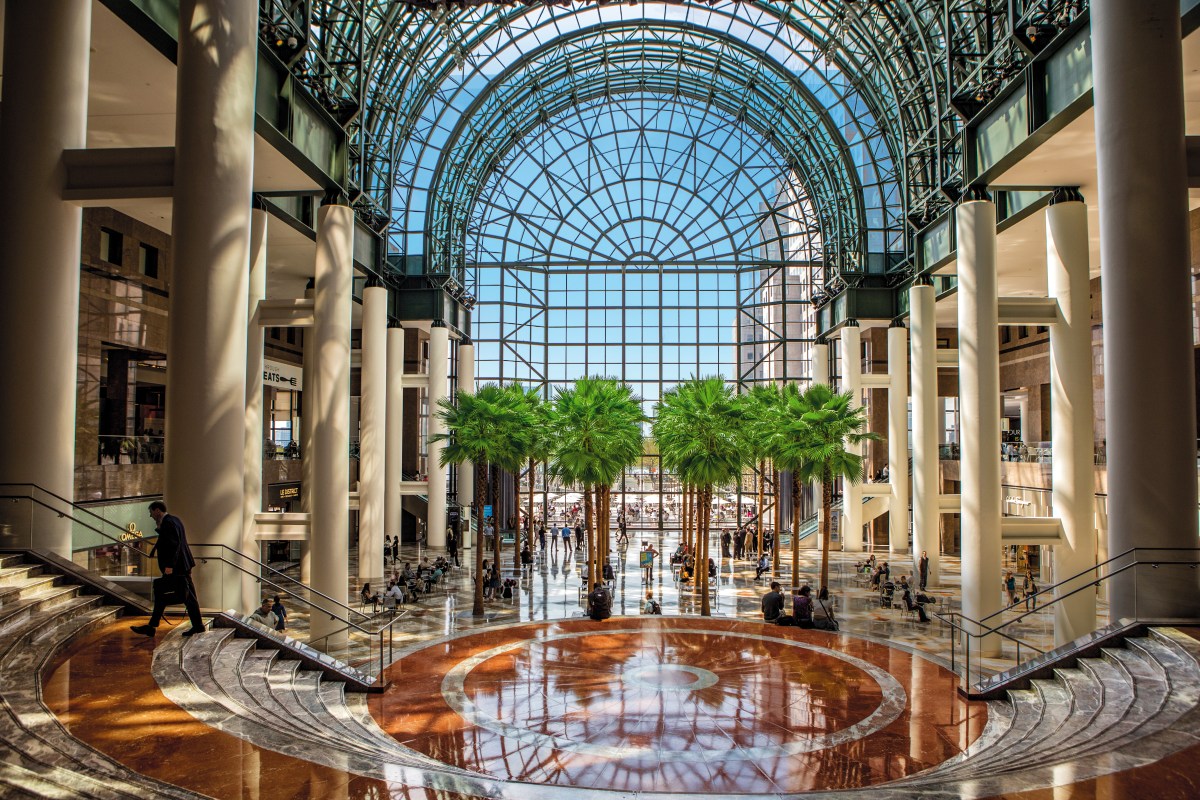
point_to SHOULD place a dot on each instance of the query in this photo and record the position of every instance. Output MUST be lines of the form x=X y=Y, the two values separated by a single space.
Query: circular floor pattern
x=676 y=705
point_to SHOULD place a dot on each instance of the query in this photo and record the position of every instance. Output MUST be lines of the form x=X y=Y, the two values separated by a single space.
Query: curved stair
x=40 y=614
x=1131 y=706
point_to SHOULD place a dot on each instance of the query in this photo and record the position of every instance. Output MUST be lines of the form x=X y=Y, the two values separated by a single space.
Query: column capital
x=465 y=341
x=438 y=323
x=897 y=323
x=922 y=280
x=1066 y=194
x=851 y=322
x=395 y=323
x=975 y=194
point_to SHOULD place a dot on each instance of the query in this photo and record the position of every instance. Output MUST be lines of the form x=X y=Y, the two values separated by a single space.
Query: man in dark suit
x=176 y=562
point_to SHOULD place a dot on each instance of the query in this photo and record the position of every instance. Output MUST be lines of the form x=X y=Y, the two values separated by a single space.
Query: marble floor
x=532 y=693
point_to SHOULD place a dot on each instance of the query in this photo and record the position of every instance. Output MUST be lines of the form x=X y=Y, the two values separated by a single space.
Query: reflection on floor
x=674 y=705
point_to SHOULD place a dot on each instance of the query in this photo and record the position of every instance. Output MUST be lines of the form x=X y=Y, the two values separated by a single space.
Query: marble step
x=33 y=734
x=18 y=573
x=258 y=697
x=11 y=559
x=16 y=613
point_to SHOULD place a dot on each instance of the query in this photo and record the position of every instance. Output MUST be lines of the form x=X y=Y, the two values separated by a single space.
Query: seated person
x=609 y=573
x=802 y=607
x=823 y=612
x=369 y=598
x=599 y=603
x=677 y=556
x=764 y=564
x=395 y=592
x=712 y=568
x=526 y=556
x=914 y=606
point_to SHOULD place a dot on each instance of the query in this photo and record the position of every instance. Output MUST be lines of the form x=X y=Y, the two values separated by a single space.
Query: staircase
x=233 y=685
x=40 y=613
x=1130 y=705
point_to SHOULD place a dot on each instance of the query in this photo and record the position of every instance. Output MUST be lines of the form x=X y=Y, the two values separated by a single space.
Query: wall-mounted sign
x=280 y=493
x=487 y=512
x=131 y=533
x=282 y=376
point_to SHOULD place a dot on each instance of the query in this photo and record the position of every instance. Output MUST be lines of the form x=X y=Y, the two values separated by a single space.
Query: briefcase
x=169 y=590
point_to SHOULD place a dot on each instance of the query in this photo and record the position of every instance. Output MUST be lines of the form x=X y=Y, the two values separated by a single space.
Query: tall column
x=210 y=243
x=394 y=460
x=979 y=394
x=1071 y=413
x=820 y=374
x=1149 y=383
x=1023 y=412
x=330 y=492
x=466 y=471
x=439 y=366
x=253 y=458
x=852 y=537
x=926 y=427
x=372 y=433
x=308 y=415
x=45 y=112
x=897 y=343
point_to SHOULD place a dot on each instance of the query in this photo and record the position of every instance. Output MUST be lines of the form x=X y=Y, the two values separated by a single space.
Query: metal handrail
x=1081 y=573
x=998 y=630
x=265 y=567
x=388 y=628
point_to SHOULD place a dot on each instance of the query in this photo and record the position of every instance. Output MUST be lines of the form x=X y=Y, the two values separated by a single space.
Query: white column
x=466 y=471
x=820 y=374
x=330 y=499
x=372 y=434
x=439 y=366
x=1023 y=412
x=1149 y=357
x=210 y=245
x=852 y=382
x=45 y=96
x=927 y=427
x=253 y=459
x=897 y=343
x=394 y=460
x=1071 y=409
x=979 y=392
x=308 y=416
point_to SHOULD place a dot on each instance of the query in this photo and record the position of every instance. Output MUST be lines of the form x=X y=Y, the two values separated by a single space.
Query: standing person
x=566 y=537
x=726 y=540
x=176 y=562
x=579 y=536
x=923 y=568
x=1010 y=587
x=452 y=545
x=263 y=614
x=542 y=537
x=553 y=541
x=772 y=603
x=739 y=544
x=1029 y=589
x=280 y=613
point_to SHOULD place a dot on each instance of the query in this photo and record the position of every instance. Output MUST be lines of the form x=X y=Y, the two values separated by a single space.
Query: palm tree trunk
x=795 y=529
x=480 y=497
x=587 y=523
x=702 y=561
x=762 y=479
x=778 y=521
x=532 y=476
x=517 y=516
x=826 y=512
x=495 y=491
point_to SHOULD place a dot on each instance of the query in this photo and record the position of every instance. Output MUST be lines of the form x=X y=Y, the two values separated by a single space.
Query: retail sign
x=131 y=533
x=282 y=376
x=487 y=512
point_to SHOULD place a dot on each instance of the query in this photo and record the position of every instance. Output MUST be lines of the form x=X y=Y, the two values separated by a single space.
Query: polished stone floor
x=677 y=705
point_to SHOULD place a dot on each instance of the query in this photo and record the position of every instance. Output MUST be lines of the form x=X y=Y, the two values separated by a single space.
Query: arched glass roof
x=891 y=77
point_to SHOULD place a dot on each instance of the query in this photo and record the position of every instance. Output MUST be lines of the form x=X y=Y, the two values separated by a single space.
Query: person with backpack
x=651 y=605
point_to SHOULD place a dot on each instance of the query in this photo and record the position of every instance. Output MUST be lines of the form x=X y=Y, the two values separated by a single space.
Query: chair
x=389 y=604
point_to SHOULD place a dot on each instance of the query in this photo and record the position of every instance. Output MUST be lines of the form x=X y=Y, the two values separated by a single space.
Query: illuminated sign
x=131 y=533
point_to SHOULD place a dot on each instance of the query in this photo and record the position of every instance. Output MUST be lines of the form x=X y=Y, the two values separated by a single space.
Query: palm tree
x=541 y=443
x=698 y=430
x=760 y=407
x=597 y=432
x=490 y=430
x=814 y=429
